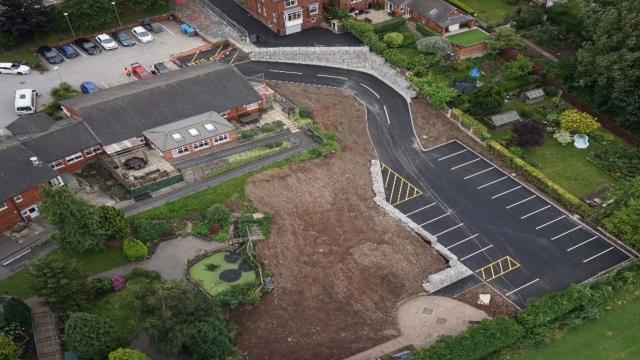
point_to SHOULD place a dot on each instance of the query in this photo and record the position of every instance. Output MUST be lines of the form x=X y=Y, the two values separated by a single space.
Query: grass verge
x=468 y=38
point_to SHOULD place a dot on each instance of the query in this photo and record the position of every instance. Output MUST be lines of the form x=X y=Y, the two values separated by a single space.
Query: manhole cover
x=230 y=275
x=244 y=267
x=231 y=258
x=22 y=82
x=441 y=321
x=427 y=311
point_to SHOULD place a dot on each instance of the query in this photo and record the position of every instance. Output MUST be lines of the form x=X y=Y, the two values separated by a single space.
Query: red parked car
x=140 y=72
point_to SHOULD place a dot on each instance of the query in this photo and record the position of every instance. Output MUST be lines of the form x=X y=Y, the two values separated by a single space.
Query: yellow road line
x=504 y=265
x=399 y=199
x=393 y=187
x=387 y=180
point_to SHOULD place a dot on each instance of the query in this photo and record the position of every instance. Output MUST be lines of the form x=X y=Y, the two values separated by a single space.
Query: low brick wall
x=476 y=50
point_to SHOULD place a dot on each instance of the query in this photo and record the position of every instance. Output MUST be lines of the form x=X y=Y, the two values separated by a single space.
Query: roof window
x=194 y=132
x=177 y=137
x=209 y=127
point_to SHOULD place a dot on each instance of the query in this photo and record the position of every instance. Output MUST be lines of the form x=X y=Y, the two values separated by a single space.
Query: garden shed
x=503 y=120
x=533 y=96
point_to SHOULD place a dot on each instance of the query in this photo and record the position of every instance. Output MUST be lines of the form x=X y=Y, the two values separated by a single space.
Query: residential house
x=439 y=15
x=286 y=17
x=352 y=5
x=21 y=174
x=398 y=7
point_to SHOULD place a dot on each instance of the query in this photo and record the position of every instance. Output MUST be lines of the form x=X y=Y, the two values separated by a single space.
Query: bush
x=147 y=230
x=90 y=336
x=113 y=222
x=476 y=127
x=134 y=249
x=578 y=122
x=9 y=350
x=337 y=12
x=117 y=283
x=210 y=340
x=127 y=354
x=550 y=90
x=563 y=137
x=477 y=342
x=602 y=137
x=435 y=89
x=238 y=295
x=305 y=112
x=267 y=128
x=222 y=236
x=518 y=68
x=529 y=16
x=425 y=31
x=7 y=42
x=17 y=312
x=434 y=45
x=390 y=25
x=393 y=39
x=99 y=286
x=517 y=151
x=248 y=134
x=486 y=101
x=217 y=214
x=214 y=229
x=275 y=144
x=529 y=133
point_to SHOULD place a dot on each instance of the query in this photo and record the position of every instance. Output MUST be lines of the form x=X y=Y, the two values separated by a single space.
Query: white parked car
x=106 y=42
x=14 y=68
x=142 y=34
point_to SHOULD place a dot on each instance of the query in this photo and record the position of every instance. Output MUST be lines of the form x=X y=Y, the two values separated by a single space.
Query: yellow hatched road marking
x=410 y=193
x=503 y=266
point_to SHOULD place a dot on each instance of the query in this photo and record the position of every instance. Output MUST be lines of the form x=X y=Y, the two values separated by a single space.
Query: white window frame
x=92 y=150
x=17 y=198
x=3 y=206
x=314 y=6
x=296 y=14
x=290 y=3
x=218 y=139
x=252 y=106
x=57 y=164
x=202 y=144
x=224 y=114
x=74 y=158
x=181 y=151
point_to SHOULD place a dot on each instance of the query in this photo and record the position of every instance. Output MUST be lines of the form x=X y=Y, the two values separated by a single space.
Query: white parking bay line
x=521 y=287
x=477 y=252
x=478 y=173
x=451 y=155
x=465 y=164
x=80 y=52
x=550 y=222
x=598 y=254
x=169 y=31
x=565 y=233
x=370 y=89
x=506 y=192
x=434 y=219
x=582 y=243
x=286 y=72
x=387 y=114
x=422 y=208
x=461 y=241
x=332 y=77
x=535 y=212
x=491 y=183
x=520 y=202
x=449 y=229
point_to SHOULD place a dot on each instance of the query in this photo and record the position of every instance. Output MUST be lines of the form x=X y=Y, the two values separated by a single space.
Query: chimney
x=34 y=160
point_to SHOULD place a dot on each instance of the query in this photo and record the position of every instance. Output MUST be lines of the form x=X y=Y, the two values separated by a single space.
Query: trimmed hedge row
x=462 y=6
x=476 y=127
x=425 y=31
x=389 y=25
x=541 y=181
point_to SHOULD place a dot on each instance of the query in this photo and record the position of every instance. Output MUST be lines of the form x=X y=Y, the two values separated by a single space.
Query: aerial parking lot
x=105 y=69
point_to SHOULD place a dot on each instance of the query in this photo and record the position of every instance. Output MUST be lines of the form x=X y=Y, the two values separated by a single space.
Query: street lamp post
x=70 y=27
x=116 y=10
x=58 y=72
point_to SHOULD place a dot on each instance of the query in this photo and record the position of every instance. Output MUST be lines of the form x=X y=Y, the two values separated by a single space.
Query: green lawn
x=19 y=284
x=210 y=281
x=490 y=11
x=21 y=55
x=569 y=167
x=613 y=336
x=469 y=37
x=117 y=308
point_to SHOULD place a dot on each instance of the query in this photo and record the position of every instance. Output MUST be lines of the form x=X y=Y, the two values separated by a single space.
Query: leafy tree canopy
x=504 y=38
x=24 y=18
x=210 y=340
x=113 y=222
x=88 y=15
x=90 y=336
x=486 y=101
x=435 y=89
x=8 y=349
x=434 y=45
x=518 y=68
x=17 y=312
x=59 y=282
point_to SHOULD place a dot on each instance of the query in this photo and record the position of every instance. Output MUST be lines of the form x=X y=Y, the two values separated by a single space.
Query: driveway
x=310 y=37
x=106 y=69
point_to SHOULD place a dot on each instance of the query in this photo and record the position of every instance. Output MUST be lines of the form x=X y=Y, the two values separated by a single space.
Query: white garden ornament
x=581 y=141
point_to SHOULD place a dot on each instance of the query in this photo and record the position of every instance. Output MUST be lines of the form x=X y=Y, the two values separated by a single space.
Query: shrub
x=9 y=350
x=214 y=229
x=210 y=340
x=222 y=236
x=275 y=144
x=211 y=267
x=90 y=336
x=117 y=283
x=434 y=45
x=602 y=137
x=248 y=134
x=238 y=295
x=529 y=133
x=578 y=122
x=127 y=354
x=139 y=272
x=517 y=151
x=134 y=249
x=100 y=285
x=504 y=38
x=393 y=39
x=549 y=112
x=17 y=312
x=529 y=16
x=337 y=12
x=217 y=214
x=425 y=31
x=113 y=222
x=518 y=68
x=7 y=42
x=486 y=101
x=267 y=128
x=476 y=127
x=563 y=137
x=550 y=90
x=147 y=230
x=278 y=124
x=477 y=342
x=435 y=89
x=305 y=112
x=389 y=25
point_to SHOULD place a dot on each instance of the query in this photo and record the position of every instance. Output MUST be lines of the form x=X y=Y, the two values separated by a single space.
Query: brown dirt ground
x=498 y=305
x=340 y=263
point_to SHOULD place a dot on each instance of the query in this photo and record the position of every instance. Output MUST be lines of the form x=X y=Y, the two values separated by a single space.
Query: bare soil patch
x=341 y=264
x=498 y=305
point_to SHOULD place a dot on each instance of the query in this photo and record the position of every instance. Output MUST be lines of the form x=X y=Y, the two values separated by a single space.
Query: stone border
x=455 y=270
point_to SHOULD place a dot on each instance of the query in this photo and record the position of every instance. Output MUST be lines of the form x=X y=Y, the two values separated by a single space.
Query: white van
x=26 y=101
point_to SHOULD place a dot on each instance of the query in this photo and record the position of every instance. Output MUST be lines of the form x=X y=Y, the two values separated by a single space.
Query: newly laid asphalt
x=508 y=234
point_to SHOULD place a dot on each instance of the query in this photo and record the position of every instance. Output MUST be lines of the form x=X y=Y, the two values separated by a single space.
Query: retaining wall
x=345 y=57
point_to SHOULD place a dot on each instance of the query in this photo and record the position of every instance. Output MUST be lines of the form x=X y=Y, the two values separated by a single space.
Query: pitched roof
x=438 y=11
x=126 y=111
x=63 y=142
x=504 y=118
x=31 y=124
x=18 y=174
x=205 y=125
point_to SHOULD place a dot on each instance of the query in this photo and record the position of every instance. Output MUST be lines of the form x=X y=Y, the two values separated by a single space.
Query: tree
x=608 y=70
x=169 y=311
x=8 y=349
x=90 y=336
x=89 y=15
x=529 y=133
x=146 y=4
x=17 y=312
x=518 y=68
x=434 y=45
x=435 y=89
x=134 y=249
x=127 y=354
x=393 y=39
x=624 y=219
x=113 y=222
x=529 y=16
x=77 y=221
x=59 y=282
x=217 y=214
x=578 y=122
x=486 y=101
x=24 y=18
x=210 y=340
x=504 y=38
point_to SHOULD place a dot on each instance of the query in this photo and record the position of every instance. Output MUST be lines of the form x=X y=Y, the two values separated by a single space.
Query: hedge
x=134 y=249
x=462 y=6
x=425 y=31
x=476 y=342
x=389 y=25
x=147 y=230
x=540 y=180
x=477 y=128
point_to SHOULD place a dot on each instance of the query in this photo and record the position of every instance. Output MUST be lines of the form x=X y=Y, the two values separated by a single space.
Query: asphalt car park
x=527 y=246
x=105 y=69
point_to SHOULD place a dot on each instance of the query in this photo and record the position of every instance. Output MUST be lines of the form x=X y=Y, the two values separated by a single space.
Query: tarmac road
x=511 y=236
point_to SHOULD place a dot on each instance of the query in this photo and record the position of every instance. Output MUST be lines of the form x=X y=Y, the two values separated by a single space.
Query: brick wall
x=168 y=154
x=470 y=51
x=271 y=13
x=11 y=215
x=415 y=16
x=348 y=5
x=79 y=164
